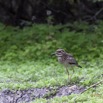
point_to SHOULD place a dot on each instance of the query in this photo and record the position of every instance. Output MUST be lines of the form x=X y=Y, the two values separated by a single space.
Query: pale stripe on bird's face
x=60 y=52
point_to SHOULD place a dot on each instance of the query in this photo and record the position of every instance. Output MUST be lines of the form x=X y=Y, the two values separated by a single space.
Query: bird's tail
x=79 y=66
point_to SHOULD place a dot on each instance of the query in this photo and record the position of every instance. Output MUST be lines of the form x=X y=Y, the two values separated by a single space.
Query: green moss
x=42 y=40
x=26 y=62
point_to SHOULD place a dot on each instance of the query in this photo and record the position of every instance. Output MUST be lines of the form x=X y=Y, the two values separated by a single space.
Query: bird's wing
x=71 y=59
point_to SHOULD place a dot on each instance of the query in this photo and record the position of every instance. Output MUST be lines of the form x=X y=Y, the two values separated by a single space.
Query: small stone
x=74 y=87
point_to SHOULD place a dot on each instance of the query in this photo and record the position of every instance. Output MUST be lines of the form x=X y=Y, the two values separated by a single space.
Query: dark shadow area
x=26 y=12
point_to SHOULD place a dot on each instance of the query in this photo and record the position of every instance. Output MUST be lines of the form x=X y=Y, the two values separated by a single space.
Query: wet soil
x=26 y=96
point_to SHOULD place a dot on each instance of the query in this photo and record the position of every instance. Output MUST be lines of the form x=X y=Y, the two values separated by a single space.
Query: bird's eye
x=59 y=51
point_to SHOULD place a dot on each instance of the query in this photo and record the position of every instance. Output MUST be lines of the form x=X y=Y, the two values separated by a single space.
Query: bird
x=66 y=59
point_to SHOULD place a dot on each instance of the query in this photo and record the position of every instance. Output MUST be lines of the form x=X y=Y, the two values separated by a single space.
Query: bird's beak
x=53 y=54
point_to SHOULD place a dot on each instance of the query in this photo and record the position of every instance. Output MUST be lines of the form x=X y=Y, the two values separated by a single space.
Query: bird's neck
x=62 y=58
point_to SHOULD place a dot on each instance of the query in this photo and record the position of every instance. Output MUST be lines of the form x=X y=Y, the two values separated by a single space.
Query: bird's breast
x=60 y=60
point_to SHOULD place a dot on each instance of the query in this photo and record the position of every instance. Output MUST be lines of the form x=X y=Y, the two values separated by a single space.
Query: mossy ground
x=26 y=62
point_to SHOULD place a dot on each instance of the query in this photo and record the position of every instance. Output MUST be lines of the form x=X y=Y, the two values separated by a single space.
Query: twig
x=97 y=13
x=92 y=86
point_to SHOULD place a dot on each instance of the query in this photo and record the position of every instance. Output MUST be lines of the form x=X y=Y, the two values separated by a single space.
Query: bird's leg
x=68 y=73
x=72 y=69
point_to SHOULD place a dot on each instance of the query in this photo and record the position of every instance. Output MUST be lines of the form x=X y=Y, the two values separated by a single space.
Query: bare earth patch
x=18 y=96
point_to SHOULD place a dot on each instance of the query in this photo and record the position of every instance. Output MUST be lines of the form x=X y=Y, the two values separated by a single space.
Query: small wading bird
x=66 y=59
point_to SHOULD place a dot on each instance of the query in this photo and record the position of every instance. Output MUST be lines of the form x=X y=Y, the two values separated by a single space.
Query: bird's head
x=59 y=52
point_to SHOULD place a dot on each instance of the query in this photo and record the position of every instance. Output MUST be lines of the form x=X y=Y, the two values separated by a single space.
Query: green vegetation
x=26 y=62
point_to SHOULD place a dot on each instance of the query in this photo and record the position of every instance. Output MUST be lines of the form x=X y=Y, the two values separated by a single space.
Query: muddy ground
x=19 y=96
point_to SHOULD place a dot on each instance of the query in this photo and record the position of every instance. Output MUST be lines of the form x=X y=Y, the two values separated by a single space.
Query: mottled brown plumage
x=66 y=59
